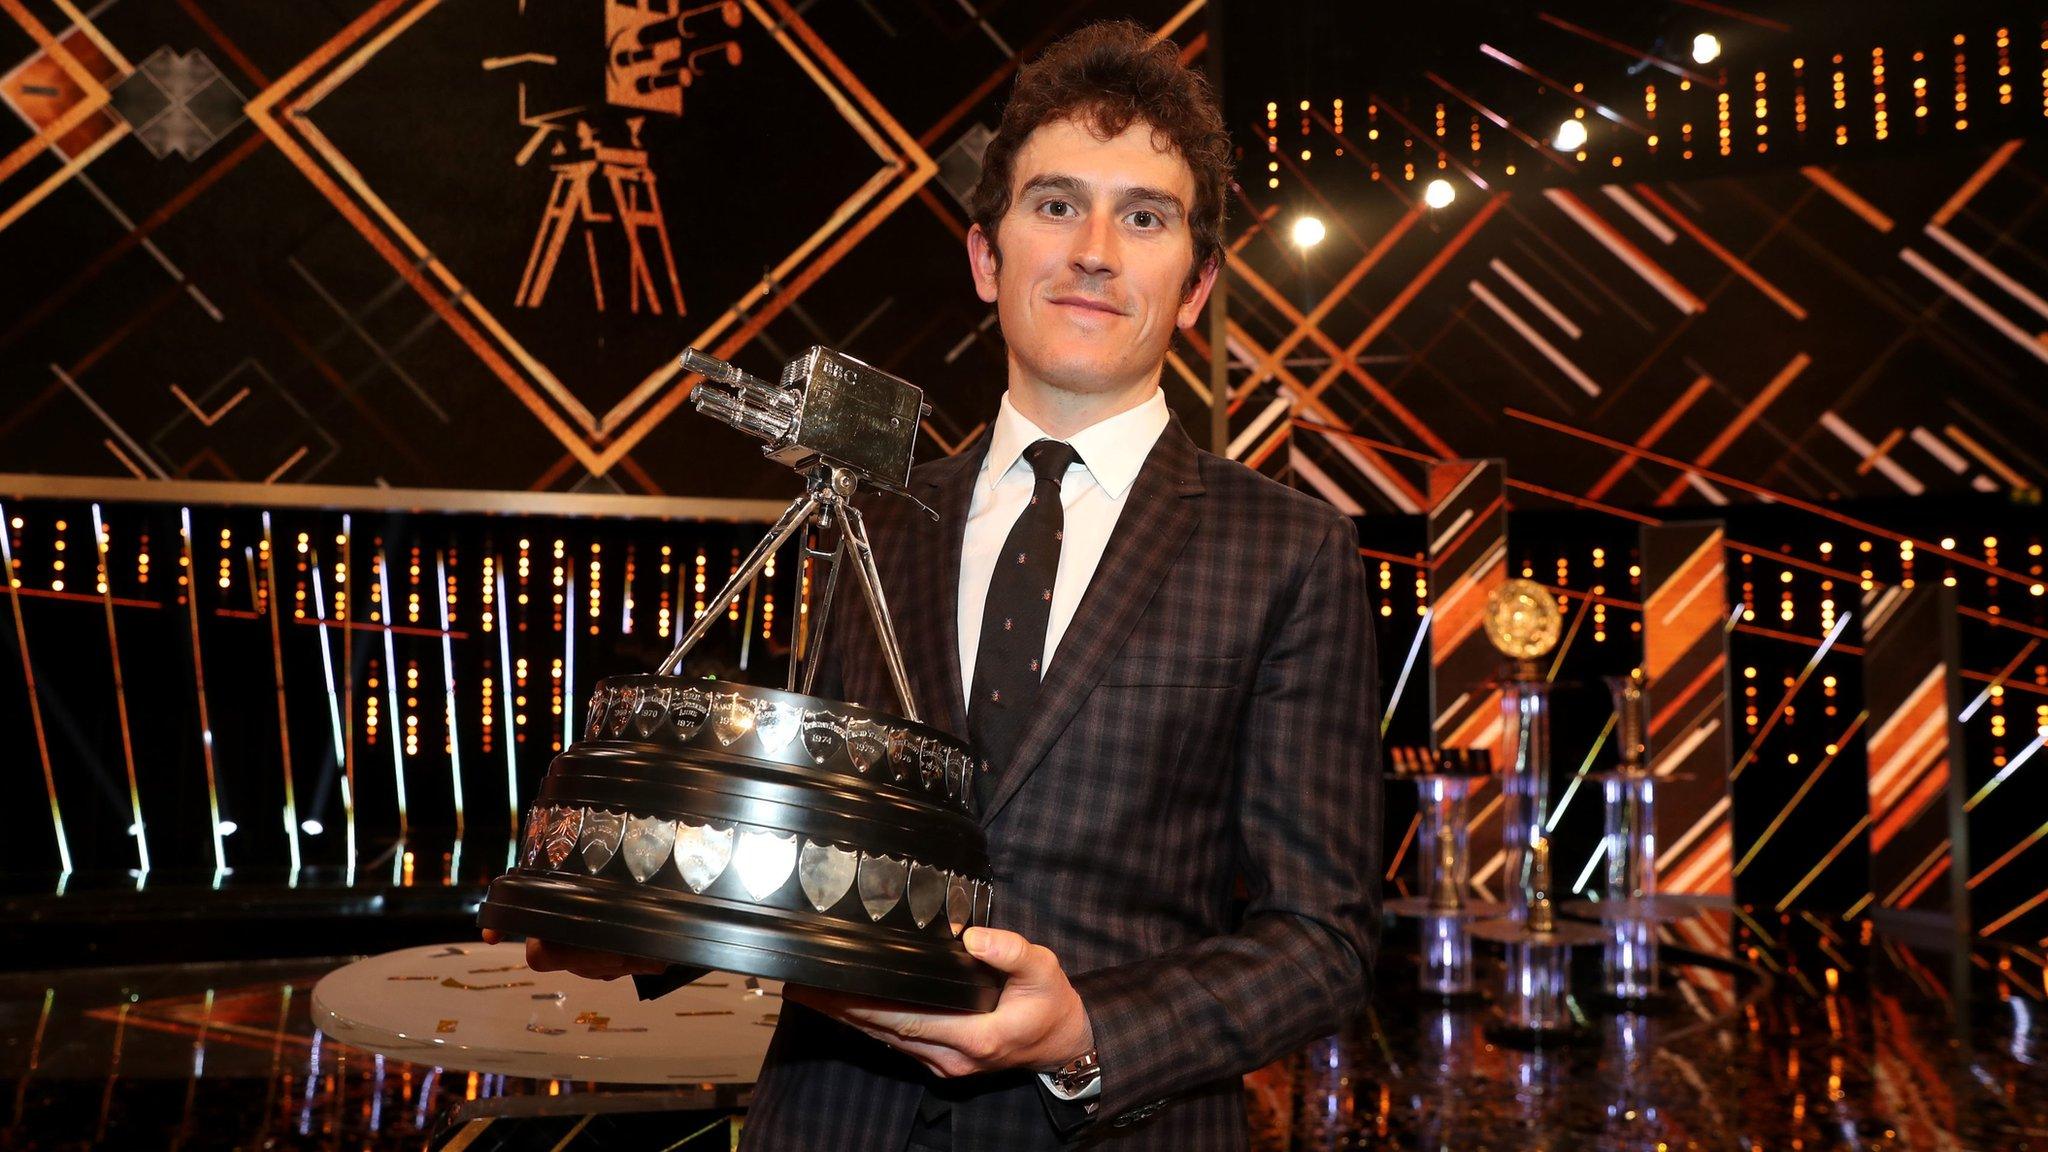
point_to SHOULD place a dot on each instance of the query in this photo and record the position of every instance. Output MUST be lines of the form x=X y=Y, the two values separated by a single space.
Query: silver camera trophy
x=767 y=831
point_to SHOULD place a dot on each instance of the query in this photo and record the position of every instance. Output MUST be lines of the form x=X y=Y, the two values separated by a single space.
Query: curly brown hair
x=1111 y=75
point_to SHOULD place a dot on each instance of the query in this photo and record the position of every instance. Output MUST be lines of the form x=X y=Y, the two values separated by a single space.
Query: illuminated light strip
x=1407 y=666
x=1997 y=681
x=569 y=654
x=2018 y=912
x=1848 y=197
x=1765 y=494
x=1736 y=427
x=448 y=682
x=1716 y=816
x=115 y=428
x=1642 y=215
x=1578 y=777
x=1975 y=183
x=1529 y=333
x=1786 y=810
x=284 y=731
x=58 y=178
x=348 y=692
x=1320 y=480
x=35 y=707
x=1563 y=90
x=1536 y=299
x=1985 y=457
x=1635 y=55
x=1924 y=873
x=1598 y=851
x=511 y=716
x=1975 y=303
x=105 y=580
x=1812 y=662
x=220 y=856
x=2011 y=766
x=334 y=710
x=1940 y=451
x=1859 y=906
x=1714 y=495
x=1826 y=860
x=1651 y=435
x=1256 y=427
x=1869 y=454
x=397 y=718
x=1666 y=284
x=1735 y=263
x=1407 y=838
x=1989 y=270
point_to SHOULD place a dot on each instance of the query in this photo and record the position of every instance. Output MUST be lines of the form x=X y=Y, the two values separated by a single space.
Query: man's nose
x=1095 y=246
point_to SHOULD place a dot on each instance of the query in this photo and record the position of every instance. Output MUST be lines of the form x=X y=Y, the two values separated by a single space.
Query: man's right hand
x=589 y=963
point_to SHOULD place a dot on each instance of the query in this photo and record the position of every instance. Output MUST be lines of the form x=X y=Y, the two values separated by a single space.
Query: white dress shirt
x=1111 y=452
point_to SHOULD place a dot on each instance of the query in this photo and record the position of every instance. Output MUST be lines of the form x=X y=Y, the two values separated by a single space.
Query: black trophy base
x=750 y=940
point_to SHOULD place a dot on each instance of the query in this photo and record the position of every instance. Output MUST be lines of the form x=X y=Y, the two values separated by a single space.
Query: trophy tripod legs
x=854 y=532
x=798 y=514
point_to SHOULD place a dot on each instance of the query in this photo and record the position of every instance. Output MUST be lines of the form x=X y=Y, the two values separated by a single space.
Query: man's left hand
x=1038 y=1023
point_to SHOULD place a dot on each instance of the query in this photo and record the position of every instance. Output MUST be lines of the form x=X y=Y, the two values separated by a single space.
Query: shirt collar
x=1113 y=450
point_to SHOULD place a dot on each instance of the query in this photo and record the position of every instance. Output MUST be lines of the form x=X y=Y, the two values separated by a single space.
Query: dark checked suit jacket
x=1191 y=821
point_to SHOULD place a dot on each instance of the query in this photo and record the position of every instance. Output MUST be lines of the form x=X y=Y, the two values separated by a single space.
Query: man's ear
x=1191 y=307
x=983 y=261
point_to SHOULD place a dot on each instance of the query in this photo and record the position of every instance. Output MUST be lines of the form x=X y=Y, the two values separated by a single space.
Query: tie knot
x=1050 y=459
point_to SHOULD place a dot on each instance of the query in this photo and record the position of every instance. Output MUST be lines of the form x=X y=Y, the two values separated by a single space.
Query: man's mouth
x=1087 y=302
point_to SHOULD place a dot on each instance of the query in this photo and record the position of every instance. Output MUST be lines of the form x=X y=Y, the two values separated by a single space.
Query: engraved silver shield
x=560 y=839
x=765 y=861
x=776 y=724
x=601 y=834
x=927 y=893
x=866 y=744
x=902 y=754
x=928 y=766
x=984 y=899
x=824 y=735
x=653 y=710
x=959 y=904
x=536 y=831
x=882 y=880
x=956 y=765
x=688 y=711
x=593 y=724
x=826 y=872
x=732 y=716
x=646 y=845
x=620 y=713
x=702 y=852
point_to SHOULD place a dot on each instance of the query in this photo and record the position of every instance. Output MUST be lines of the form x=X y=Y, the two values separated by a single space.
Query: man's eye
x=1145 y=219
x=1058 y=208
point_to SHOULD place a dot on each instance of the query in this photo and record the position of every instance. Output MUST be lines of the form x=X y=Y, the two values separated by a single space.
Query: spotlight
x=311 y=827
x=1308 y=232
x=1439 y=193
x=227 y=827
x=1571 y=136
x=1706 y=48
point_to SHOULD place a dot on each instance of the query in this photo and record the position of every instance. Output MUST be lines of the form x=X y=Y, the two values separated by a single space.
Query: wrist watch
x=1076 y=1076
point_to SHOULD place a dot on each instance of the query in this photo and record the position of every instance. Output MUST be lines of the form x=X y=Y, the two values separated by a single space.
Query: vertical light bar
x=348 y=804
x=191 y=566
x=569 y=659
x=391 y=684
x=511 y=716
x=348 y=690
x=35 y=707
x=448 y=682
x=99 y=544
x=284 y=728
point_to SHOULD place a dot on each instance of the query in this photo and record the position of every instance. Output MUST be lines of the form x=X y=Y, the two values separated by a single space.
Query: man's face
x=1096 y=252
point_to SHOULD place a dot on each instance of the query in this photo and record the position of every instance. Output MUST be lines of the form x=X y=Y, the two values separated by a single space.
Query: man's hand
x=589 y=963
x=1039 y=1023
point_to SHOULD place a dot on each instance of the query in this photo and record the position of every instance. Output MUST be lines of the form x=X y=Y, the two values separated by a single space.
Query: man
x=1167 y=657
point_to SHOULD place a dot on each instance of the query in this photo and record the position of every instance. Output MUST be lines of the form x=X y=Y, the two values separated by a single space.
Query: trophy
x=1523 y=623
x=764 y=831
x=1444 y=781
x=1535 y=1000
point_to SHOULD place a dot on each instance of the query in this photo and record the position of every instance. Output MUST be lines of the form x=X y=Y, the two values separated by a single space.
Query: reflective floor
x=1897 y=1049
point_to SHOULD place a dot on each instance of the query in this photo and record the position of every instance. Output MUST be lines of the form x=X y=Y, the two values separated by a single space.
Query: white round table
x=478 y=1007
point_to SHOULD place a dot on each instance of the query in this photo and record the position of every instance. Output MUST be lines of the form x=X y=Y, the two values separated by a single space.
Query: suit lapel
x=932 y=640
x=1148 y=538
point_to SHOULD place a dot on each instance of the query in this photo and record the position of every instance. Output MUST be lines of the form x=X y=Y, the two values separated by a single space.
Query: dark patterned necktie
x=1013 y=623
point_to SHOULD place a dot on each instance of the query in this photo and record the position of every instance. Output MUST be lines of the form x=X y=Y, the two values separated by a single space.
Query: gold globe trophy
x=1523 y=623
